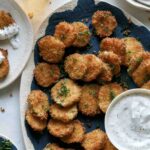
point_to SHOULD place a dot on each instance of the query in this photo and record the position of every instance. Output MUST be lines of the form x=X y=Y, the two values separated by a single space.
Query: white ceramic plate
x=27 y=75
x=133 y=3
x=17 y=57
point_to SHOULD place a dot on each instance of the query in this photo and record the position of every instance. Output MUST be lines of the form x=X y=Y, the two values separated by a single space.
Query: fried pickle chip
x=77 y=135
x=66 y=92
x=115 y=45
x=63 y=114
x=94 y=140
x=35 y=122
x=104 y=23
x=65 y=32
x=51 y=49
x=112 y=59
x=133 y=46
x=107 y=93
x=38 y=104
x=4 y=66
x=142 y=74
x=82 y=34
x=146 y=85
x=60 y=129
x=46 y=74
x=106 y=74
x=75 y=66
x=109 y=145
x=53 y=146
x=136 y=60
x=5 y=19
x=94 y=67
x=88 y=104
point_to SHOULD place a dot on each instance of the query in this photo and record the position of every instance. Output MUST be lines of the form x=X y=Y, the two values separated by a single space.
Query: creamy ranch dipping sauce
x=128 y=122
x=2 y=57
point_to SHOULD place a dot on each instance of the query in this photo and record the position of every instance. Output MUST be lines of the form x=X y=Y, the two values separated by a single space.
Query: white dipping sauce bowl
x=116 y=126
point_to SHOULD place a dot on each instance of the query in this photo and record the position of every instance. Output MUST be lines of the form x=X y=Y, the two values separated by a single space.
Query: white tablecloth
x=9 y=97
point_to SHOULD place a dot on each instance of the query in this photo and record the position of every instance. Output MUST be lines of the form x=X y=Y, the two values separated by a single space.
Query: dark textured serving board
x=83 y=12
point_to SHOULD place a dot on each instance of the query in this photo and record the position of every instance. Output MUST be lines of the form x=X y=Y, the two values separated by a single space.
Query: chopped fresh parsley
x=130 y=52
x=92 y=93
x=5 y=145
x=74 y=60
x=112 y=94
x=63 y=91
x=87 y=32
x=52 y=72
x=139 y=60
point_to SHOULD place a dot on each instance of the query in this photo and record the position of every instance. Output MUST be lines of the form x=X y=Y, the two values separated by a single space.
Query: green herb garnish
x=139 y=60
x=5 y=145
x=92 y=93
x=87 y=32
x=63 y=91
x=112 y=94
x=52 y=72
x=129 y=52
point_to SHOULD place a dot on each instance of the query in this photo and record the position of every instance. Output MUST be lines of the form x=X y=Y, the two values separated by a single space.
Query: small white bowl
x=2 y=137
x=110 y=108
x=138 y=5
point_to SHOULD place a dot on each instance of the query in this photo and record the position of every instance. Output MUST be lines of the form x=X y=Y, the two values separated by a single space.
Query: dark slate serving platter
x=83 y=12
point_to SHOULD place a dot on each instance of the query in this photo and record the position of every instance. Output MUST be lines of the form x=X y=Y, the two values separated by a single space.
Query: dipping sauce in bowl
x=127 y=120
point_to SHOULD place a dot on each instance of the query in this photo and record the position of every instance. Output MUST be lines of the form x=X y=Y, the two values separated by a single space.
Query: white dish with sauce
x=17 y=57
x=127 y=120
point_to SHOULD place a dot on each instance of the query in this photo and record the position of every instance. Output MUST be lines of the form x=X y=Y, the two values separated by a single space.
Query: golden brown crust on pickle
x=94 y=67
x=136 y=60
x=133 y=46
x=88 y=104
x=4 y=66
x=94 y=140
x=82 y=34
x=115 y=45
x=51 y=49
x=66 y=92
x=75 y=66
x=104 y=23
x=107 y=93
x=60 y=129
x=46 y=74
x=34 y=122
x=112 y=59
x=63 y=114
x=109 y=145
x=38 y=104
x=53 y=146
x=146 y=85
x=5 y=19
x=106 y=75
x=65 y=32
x=77 y=135
x=142 y=74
